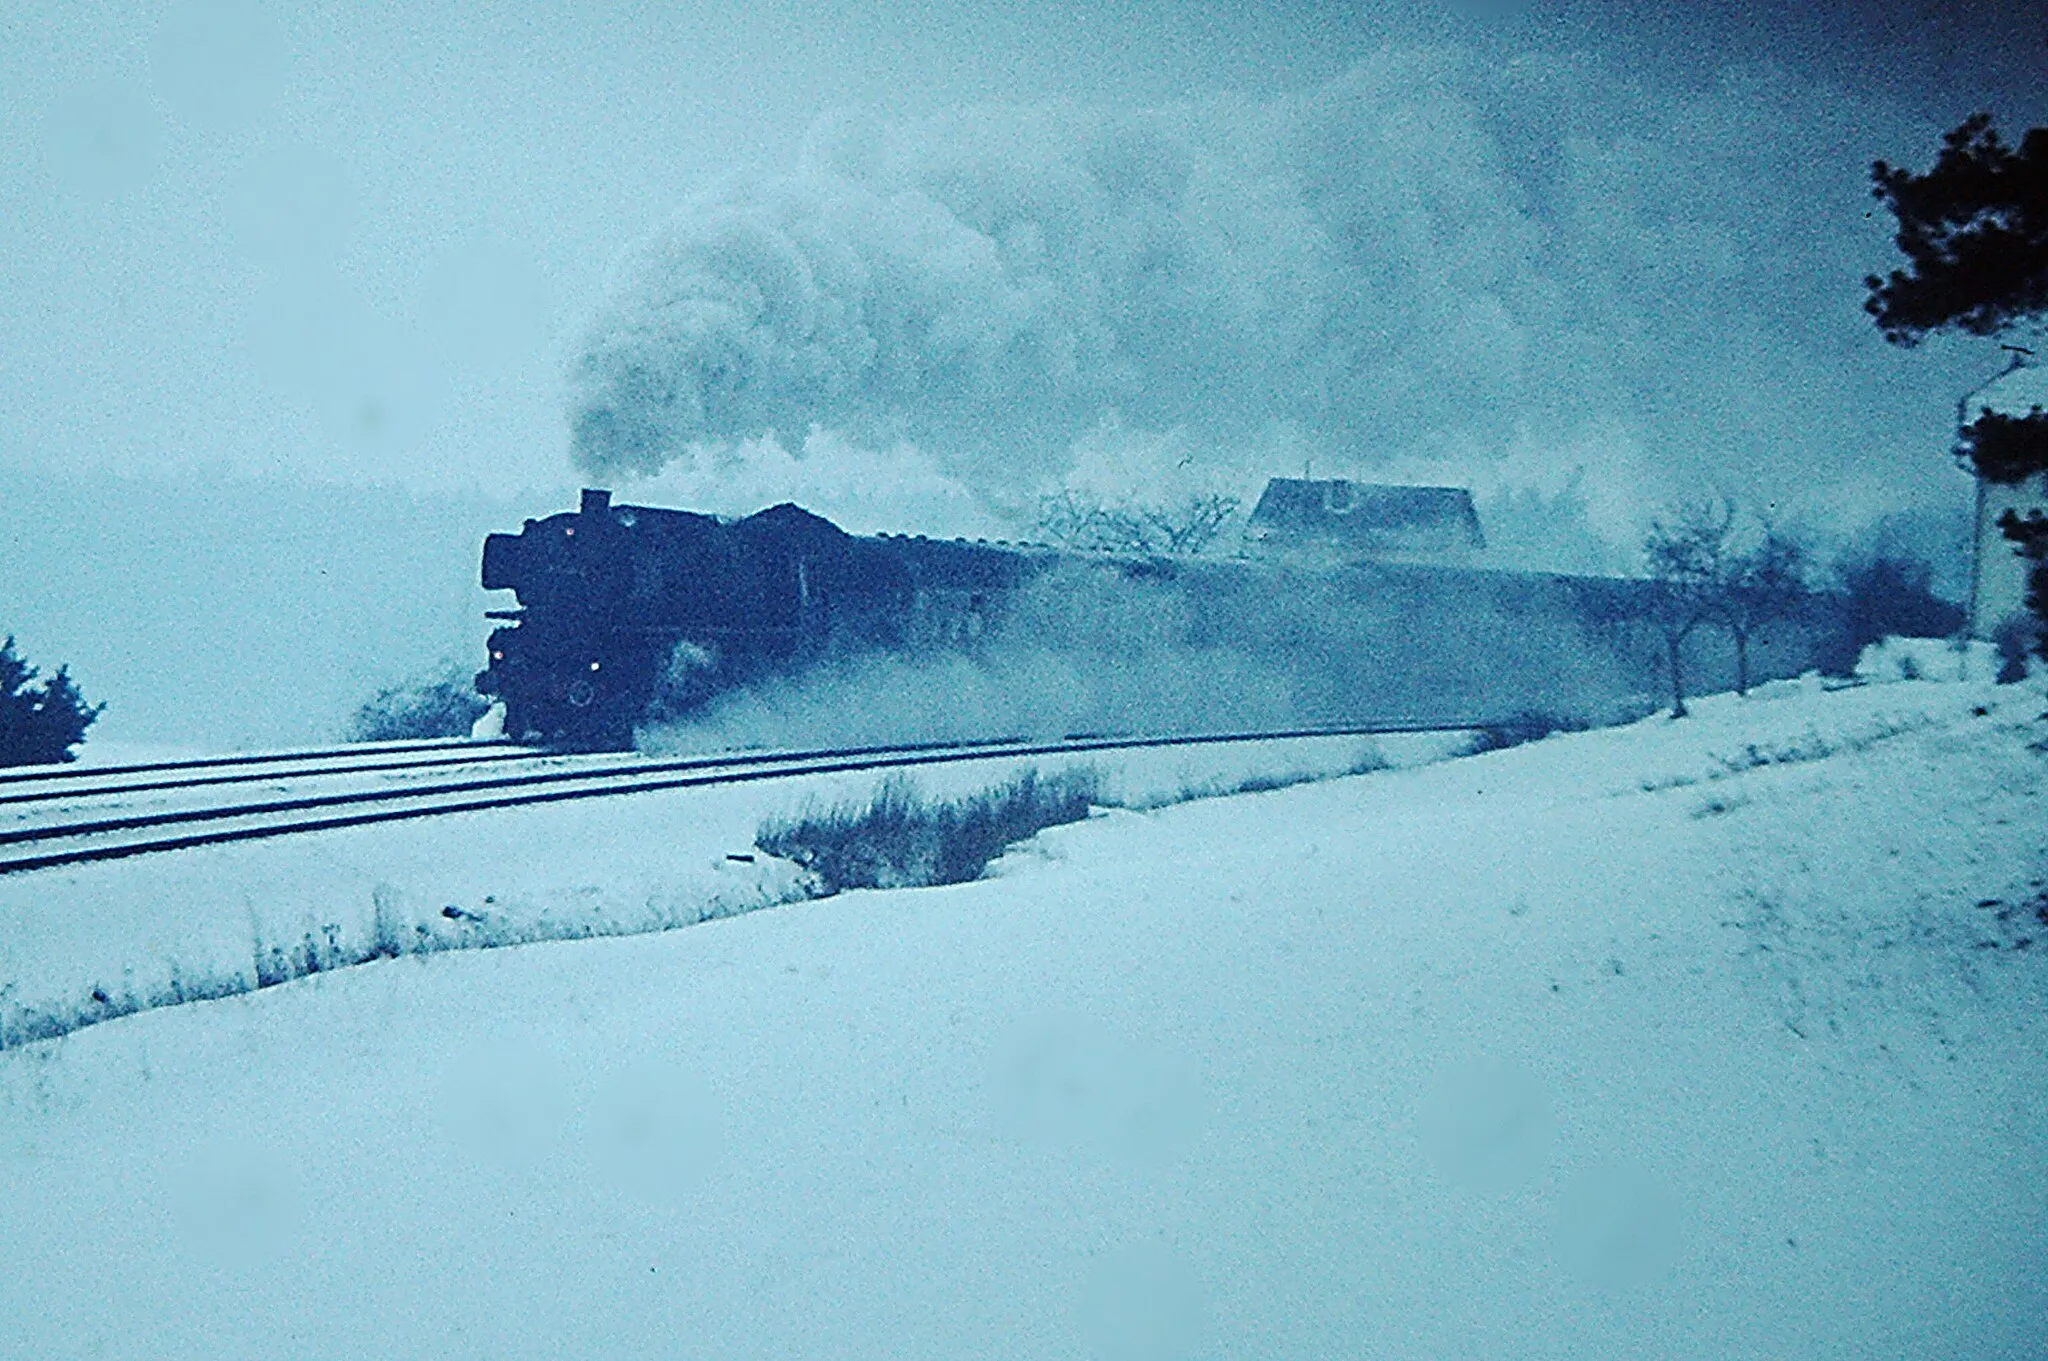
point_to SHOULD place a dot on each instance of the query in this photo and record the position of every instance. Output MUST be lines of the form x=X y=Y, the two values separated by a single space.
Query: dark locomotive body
x=632 y=613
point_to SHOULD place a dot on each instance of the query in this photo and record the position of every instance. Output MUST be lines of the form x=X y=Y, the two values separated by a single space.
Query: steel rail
x=694 y=773
x=78 y=772
x=220 y=812
x=506 y=753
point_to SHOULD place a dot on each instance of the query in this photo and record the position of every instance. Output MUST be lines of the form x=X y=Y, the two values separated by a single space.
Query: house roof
x=1371 y=516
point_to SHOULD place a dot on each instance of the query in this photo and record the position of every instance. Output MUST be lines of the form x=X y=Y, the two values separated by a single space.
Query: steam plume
x=1431 y=263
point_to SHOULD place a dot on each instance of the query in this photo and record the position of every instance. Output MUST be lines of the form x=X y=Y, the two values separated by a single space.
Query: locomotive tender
x=630 y=613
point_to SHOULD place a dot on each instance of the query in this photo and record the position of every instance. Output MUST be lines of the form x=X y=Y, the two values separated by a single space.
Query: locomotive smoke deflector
x=502 y=557
x=506 y=556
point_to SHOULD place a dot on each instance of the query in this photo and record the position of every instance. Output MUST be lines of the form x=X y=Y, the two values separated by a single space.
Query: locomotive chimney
x=596 y=502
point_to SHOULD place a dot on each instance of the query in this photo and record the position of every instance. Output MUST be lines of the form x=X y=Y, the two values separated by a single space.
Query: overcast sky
x=450 y=246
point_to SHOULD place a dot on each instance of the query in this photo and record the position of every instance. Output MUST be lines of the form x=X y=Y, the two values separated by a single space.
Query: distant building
x=1998 y=577
x=1345 y=520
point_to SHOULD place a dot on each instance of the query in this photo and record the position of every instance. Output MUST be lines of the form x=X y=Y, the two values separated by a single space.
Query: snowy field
x=83 y=944
x=1713 y=1039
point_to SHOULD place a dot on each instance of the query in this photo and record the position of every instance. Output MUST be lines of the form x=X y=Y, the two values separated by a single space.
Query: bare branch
x=1073 y=520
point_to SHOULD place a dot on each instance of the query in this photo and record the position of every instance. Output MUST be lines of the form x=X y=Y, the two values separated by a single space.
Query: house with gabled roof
x=1341 y=520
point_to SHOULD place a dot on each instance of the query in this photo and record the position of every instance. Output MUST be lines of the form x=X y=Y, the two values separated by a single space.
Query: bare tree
x=1071 y=520
x=1759 y=586
x=1191 y=525
x=1182 y=529
x=1687 y=549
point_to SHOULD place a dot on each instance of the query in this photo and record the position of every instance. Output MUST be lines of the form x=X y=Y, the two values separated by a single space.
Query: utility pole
x=2018 y=355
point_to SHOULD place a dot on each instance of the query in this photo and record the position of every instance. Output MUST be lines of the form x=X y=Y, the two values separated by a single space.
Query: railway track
x=79 y=771
x=72 y=824
x=144 y=779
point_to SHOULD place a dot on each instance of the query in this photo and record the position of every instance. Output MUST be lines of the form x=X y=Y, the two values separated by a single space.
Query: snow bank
x=1540 y=1053
x=490 y=725
x=98 y=942
x=1532 y=1055
x=1931 y=659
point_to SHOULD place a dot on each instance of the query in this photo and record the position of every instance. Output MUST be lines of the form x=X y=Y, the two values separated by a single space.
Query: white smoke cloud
x=775 y=305
x=1501 y=272
x=1087 y=649
x=862 y=489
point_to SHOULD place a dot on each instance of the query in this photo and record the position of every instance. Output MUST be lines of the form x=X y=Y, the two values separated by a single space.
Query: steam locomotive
x=631 y=611
x=628 y=614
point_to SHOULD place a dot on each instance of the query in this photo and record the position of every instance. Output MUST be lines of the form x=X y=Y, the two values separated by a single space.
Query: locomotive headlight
x=593 y=666
x=497 y=656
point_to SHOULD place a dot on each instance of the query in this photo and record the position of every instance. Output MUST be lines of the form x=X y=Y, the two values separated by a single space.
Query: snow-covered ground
x=1721 y=1038
x=83 y=944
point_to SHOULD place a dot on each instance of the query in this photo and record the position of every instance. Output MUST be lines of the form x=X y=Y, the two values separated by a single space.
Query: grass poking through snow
x=900 y=839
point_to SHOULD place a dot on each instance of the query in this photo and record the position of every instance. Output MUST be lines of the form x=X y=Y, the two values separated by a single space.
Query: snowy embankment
x=85 y=945
x=1715 y=1039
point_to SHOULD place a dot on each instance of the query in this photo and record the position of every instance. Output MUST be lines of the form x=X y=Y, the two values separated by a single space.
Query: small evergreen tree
x=1886 y=597
x=2004 y=448
x=2009 y=449
x=2031 y=534
x=39 y=724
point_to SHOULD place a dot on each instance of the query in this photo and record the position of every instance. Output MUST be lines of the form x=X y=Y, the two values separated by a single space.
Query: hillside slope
x=1720 y=1039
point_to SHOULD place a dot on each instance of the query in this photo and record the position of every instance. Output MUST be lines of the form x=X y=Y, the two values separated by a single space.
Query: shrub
x=443 y=706
x=2014 y=638
x=39 y=724
x=898 y=839
x=1887 y=597
x=1528 y=726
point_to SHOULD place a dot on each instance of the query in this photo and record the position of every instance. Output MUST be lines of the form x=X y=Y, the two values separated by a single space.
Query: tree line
x=1718 y=566
x=1710 y=574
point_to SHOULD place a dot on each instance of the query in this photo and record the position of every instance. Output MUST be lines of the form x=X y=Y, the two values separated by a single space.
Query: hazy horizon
x=915 y=267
